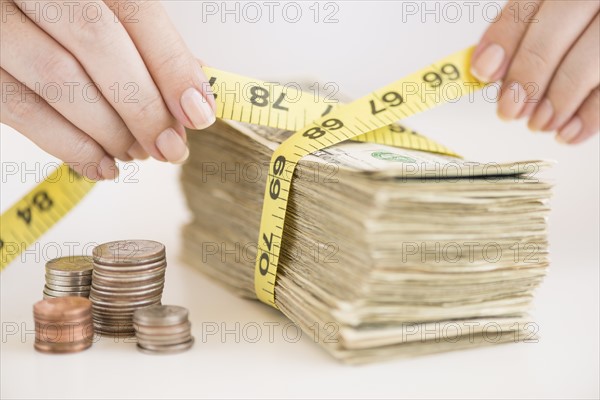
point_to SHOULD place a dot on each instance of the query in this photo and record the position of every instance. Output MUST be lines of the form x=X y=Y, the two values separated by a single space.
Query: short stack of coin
x=63 y=324
x=68 y=276
x=162 y=329
x=128 y=275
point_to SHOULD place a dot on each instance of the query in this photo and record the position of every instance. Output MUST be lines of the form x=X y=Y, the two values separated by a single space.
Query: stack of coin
x=162 y=329
x=68 y=276
x=128 y=275
x=63 y=325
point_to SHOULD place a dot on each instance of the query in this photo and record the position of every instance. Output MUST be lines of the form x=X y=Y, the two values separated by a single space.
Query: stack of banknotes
x=386 y=251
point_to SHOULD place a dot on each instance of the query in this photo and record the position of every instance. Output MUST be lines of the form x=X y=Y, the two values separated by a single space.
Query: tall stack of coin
x=128 y=275
x=163 y=329
x=68 y=276
x=63 y=325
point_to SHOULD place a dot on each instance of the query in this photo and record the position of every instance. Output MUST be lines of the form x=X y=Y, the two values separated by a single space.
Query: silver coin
x=114 y=310
x=129 y=267
x=108 y=333
x=63 y=294
x=163 y=330
x=178 y=338
x=161 y=315
x=71 y=278
x=69 y=266
x=153 y=349
x=130 y=271
x=163 y=341
x=104 y=319
x=69 y=283
x=128 y=252
x=128 y=280
x=113 y=324
x=129 y=276
x=114 y=288
x=131 y=295
x=122 y=306
x=120 y=302
x=123 y=290
x=68 y=288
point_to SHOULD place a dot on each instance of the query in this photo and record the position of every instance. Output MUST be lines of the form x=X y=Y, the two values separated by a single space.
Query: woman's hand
x=547 y=53
x=90 y=81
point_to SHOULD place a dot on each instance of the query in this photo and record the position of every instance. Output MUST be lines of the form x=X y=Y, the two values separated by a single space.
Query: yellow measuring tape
x=41 y=208
x=371 y=118
x=448 y=79
x=288 y=107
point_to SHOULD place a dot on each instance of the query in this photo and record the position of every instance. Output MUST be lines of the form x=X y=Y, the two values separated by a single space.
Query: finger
x=55 y=75
x=576 y=77
x=101 y=44
x=541 y=51
x=175 y=70
x=28 y=113
x=499 y=43
x=585 y=123
x=559 y=25
x=137 y=152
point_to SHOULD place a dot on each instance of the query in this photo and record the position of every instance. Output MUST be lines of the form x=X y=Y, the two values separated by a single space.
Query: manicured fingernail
x=570 y=131
x=511 y=101
x=172 y=146
x=137 y=151
x=488 y=63
x=197 y=109
x=107 y=168
x=542 y=116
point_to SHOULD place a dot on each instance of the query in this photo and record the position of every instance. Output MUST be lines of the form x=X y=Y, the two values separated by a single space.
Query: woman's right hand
x=91 y=81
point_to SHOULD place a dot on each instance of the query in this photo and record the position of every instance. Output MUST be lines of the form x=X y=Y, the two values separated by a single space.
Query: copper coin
x=62 y=347
x=65 y=334
x=62 y=308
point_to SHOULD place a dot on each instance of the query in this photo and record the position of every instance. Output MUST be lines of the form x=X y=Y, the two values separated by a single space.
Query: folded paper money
x=386 y=251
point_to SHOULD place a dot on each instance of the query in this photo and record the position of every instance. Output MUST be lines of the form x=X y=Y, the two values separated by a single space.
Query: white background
x=369 y=46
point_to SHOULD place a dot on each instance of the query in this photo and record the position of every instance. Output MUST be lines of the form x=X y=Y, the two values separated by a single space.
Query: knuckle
x=84 y=149
x=147 y=110
x=92 y=27
x=58 y=67
x=177 y=70
x=21 y=106
x=172 y=63
x=534 y=56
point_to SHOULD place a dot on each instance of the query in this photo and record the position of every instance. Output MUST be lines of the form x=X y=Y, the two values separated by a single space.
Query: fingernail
x=172 y=146
x=197 y=109
x=570 y=131
x=542 y=116
x=107 y=168
x=488 y=63
x=137 y=151
x=512 y=101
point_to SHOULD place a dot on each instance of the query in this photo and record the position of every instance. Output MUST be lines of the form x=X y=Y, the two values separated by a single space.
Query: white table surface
x=564 y=363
